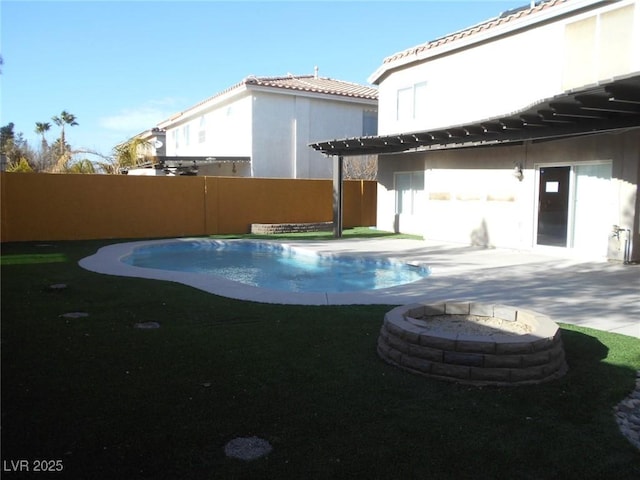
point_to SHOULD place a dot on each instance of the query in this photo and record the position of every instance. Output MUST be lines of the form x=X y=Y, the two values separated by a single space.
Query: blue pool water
x=275 y=266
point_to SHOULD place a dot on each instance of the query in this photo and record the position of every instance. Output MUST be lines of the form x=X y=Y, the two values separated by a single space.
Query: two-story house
x=522 y=132
x=261 y=126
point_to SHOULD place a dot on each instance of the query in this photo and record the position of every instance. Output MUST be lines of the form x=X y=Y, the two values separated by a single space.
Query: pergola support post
x=337 y=195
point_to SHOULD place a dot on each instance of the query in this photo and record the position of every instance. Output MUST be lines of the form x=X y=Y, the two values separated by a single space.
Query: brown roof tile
x=311 y=83
x=491 y=23
x=306 y=83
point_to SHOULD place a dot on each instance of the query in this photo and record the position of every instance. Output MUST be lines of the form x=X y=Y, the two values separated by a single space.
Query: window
x=202 y=134
x=404 y=108
x=369 y=123
x=175 y=138
x=411 y=101
x=419 y=99
x=598 y=47
x=408 y=187
x=185 y=134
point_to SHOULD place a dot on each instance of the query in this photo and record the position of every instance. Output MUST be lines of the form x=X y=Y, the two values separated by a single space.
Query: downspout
x=294 y=147
x=627 y=247
x=627 y=242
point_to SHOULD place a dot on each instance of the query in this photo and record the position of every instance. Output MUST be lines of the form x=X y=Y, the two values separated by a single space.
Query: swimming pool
x=276 y=266
x=112 y=260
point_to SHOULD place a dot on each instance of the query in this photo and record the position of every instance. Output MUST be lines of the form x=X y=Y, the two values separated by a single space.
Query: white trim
x=569 y=248
x=338 y=97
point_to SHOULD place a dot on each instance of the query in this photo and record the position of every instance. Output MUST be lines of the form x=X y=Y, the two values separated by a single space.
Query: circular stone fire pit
x=473 y=343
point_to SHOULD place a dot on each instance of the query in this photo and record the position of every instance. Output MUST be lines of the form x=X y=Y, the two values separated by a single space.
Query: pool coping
x=581 y=291
x=107 y=260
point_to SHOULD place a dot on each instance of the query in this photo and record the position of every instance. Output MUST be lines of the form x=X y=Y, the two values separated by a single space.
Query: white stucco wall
x=273 y=127
x=329 y=120
x=469 y=197
x=511 y=72
x=273 y=124
x=472 y=197
x=284 y=125
x=227 y=131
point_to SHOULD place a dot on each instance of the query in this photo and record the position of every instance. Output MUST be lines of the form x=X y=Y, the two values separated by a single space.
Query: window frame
x=202 y=132
x=186 y=134
x=416 y=187
x=409 y=108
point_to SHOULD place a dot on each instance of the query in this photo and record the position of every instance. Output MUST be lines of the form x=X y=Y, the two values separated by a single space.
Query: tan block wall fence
x=39 y=207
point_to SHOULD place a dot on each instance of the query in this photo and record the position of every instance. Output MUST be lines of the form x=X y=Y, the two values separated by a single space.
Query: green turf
x=112 y=401
x=350 y=233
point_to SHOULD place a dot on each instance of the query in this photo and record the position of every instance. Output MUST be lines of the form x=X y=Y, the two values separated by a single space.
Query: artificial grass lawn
x=112 y=401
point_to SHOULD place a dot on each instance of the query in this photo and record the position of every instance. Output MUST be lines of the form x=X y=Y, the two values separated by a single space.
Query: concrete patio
x=595 y=294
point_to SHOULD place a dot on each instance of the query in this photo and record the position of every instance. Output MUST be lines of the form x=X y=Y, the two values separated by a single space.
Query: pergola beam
x=590 y=110
x=338 y=195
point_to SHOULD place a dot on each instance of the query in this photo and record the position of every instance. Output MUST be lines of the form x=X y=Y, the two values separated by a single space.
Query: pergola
x=602 y=107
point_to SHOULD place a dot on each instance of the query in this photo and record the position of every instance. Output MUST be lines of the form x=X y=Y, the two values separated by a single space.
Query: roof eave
x=315 y=94
x=197 y=109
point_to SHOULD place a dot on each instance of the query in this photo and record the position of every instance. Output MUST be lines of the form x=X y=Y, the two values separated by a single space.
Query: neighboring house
x=520 y=132
x=152 y=148
x=261 y=126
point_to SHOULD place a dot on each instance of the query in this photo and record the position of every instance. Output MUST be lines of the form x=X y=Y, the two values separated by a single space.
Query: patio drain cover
x=147 y=325
x=75 y=315
x=247 y=448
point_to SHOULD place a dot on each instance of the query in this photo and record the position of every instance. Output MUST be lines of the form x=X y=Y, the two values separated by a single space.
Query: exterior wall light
x=517 y=172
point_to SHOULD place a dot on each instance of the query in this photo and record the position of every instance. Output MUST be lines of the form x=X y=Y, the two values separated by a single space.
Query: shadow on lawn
x=594 y=383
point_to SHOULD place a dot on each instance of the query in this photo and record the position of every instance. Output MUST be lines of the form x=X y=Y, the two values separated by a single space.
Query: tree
x=6 y=136
x=65 y=118
x=22 y=166
x=81 y=166
x=41 y=129
x=127 y=155
x=44 y=159
x=14 y=148
x=361 y=167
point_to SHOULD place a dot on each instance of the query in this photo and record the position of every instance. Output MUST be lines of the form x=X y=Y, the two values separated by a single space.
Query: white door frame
x=571 y=214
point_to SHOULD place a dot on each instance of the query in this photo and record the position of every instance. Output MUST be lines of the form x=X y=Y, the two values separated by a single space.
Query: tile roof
x=315 y=84
x=506 y=17
x=302 y=83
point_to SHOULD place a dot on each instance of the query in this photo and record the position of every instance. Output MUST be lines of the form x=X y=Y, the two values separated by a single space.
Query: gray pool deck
x=595 y=294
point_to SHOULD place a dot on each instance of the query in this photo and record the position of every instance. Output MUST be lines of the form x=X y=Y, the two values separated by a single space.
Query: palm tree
x=81 y=166
x=41 y=129
x=65 y=118
x=129 y=154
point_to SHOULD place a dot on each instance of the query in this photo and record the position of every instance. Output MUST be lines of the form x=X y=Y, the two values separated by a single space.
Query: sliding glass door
x=574 y=206
x=593 y=203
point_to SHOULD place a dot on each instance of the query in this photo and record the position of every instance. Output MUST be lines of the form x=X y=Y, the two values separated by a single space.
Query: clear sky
x=122 y=67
